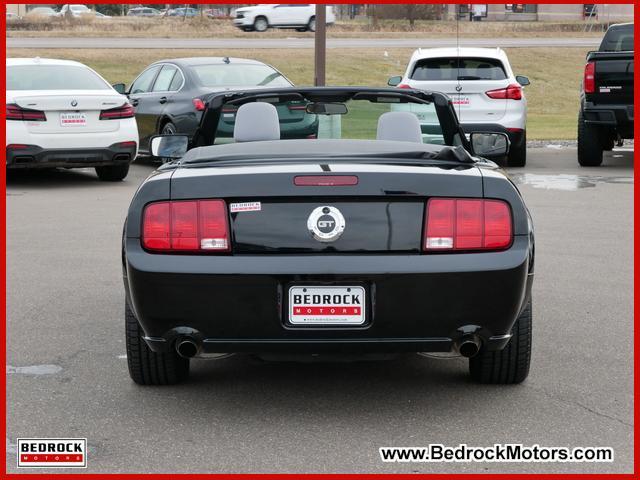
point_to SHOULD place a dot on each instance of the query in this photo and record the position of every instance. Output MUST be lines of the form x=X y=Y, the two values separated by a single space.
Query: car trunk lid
x=269 y=213
x=469 y=98
x=69 y=113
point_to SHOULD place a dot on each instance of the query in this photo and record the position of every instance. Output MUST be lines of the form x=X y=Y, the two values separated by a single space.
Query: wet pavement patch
x=34 y=370
x=566 y=182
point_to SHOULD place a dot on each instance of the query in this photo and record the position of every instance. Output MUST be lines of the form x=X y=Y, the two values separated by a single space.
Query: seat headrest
x=399 y=126
x=256 y=122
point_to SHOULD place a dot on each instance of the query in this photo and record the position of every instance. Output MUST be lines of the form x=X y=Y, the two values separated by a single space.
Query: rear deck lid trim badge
x=326 y=223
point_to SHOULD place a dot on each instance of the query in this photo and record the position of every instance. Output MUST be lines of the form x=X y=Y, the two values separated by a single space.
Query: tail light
x=589 y=83
x=404 y=85
x=15 y=112
x=195 y=226
x=512 y=92
x=125 y=111
x=199 y=104
x=467 y=224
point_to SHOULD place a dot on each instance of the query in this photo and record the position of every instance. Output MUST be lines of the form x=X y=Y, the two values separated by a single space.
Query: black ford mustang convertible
x=375 y=238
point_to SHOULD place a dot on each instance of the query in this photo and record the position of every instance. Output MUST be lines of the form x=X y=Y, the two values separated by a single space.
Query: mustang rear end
x=305 y=247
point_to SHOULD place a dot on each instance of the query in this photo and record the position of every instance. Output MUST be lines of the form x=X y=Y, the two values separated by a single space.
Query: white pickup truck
x=261 y=17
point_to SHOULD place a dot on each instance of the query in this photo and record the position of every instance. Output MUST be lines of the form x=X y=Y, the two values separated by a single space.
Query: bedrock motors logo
x=52 y=452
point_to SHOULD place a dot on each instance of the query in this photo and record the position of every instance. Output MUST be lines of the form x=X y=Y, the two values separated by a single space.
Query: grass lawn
x=553 y=96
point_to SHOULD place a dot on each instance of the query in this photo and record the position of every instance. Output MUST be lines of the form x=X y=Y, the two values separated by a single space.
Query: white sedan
x=485 y=92
x=63 y=114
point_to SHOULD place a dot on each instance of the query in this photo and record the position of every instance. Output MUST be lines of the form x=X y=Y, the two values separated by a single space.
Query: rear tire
x=608 y=142
x=518 y=155
x=311 y=26
x=589 y=144
x=112 y=173
x=511 y=364
x=260 y=24
x=168 y=129
x=147 y=367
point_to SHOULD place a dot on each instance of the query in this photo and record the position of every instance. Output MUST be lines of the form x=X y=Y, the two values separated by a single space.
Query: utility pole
x=320 y=45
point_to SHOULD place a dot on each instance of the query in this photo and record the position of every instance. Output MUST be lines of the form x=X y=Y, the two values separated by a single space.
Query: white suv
x=486 y=94
x=76 y=10
x=300 y=16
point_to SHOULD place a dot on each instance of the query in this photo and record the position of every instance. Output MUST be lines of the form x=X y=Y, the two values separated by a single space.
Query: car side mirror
x=169 y=146
x=120 y=88
x=522 y=80
x=394 y=81
x=489 y=145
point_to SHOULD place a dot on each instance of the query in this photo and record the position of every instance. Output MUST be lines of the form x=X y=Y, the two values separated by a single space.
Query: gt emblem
x=74 y=103
x=326 y=224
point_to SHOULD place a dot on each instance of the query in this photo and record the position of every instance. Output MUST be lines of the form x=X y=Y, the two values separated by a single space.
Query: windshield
x=240 y=75
x=53 y=77
x=462 y=68
x=359 y=122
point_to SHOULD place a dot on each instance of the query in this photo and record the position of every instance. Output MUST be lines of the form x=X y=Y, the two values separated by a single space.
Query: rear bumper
x=516 y=135
x=619 y=117
x=34 y=156
x=415 y=302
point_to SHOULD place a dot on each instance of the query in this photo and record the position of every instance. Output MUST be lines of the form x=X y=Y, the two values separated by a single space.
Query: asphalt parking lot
x=67 y=373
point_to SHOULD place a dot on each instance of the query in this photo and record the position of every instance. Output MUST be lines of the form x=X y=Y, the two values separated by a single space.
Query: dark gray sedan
x=168 y=96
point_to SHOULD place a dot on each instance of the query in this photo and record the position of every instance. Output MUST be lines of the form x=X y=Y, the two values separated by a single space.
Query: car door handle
x=134 y=102
x=163 y=100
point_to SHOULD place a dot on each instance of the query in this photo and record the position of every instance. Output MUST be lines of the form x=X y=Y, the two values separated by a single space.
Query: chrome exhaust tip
x=468 y=346
x=187 y=348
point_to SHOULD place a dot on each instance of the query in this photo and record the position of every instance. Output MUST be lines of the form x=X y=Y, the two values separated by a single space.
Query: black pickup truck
x=606 y=110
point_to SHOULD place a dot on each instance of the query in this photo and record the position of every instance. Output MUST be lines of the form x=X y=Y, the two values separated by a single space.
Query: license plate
x=73 y=119
x=462 y=102
x=326 y=305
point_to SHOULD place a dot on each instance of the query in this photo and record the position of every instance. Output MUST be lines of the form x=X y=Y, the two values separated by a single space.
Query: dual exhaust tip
x=468 y=346
x=187 y=347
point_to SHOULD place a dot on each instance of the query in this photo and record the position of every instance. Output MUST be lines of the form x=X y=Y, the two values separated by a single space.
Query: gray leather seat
x=400 y=127
x=256 y=122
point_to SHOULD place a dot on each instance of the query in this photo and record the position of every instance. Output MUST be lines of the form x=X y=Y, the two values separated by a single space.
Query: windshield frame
x=206 y=132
